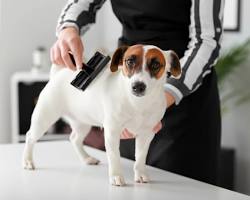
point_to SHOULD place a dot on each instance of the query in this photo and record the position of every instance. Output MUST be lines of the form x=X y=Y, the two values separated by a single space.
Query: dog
x=128 y=94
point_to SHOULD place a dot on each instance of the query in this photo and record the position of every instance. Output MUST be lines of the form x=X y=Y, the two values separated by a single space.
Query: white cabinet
x=25 y=89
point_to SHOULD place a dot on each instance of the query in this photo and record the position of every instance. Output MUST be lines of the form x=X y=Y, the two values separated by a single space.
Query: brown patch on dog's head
x=155 y=63
x=174 y=63
x=133 y=60
x=117 y=58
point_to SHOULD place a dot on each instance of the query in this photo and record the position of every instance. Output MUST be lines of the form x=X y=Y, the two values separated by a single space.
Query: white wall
x=23 y=27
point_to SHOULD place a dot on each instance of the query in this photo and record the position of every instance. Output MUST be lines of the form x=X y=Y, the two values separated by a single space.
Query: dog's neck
x=140 y=103
x=146 y=101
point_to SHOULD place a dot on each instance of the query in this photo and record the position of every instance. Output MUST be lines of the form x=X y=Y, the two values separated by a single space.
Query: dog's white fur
x=107 y=102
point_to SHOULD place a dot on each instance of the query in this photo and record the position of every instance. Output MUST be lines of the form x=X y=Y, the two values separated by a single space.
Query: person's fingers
x=57 y=56
x=68 y=41
x=129 y=134
x=65 y=56
x=76 y=47
x=158 y=127
x=123 y=136
x=126 y=135
x=52 y=57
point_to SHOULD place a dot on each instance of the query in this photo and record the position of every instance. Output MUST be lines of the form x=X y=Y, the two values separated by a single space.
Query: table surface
x=60 y=175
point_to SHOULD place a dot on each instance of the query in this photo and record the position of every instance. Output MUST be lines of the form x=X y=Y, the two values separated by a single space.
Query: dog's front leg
x=112 y=143
x=142 y=145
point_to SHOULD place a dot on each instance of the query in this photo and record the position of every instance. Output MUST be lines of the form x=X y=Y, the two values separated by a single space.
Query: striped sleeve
x=79 y=14
x=205 y=32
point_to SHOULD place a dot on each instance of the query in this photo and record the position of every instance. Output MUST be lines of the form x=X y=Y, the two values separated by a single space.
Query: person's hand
x=128 y=135
x=170 y=101
x=68 y=40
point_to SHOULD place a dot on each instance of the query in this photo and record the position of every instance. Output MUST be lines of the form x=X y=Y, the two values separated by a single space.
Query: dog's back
x=85 y=106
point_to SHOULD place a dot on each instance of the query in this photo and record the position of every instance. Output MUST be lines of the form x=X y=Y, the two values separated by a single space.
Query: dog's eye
x=130 y=62
x=155 y=66
x=168 y=74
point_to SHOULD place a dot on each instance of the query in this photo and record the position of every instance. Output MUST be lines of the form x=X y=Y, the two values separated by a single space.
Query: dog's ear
x=117 y=58
x=174 y=63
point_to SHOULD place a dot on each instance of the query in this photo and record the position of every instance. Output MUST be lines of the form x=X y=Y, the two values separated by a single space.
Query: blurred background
x=27 y=31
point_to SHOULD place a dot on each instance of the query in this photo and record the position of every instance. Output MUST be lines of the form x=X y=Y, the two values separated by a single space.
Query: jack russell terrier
x=130 y=97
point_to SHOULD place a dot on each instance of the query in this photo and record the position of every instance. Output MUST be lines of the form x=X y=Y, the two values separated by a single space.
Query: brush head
x=90 y=70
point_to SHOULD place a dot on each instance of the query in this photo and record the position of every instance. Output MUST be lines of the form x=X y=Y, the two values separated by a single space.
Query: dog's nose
x=138 y=88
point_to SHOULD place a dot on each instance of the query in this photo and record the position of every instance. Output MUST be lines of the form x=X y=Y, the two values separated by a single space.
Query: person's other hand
x=170 y=101
x=68 y=40
x=128 y=135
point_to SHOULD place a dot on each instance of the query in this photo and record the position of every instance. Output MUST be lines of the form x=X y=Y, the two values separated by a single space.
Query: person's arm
x=79 y=14
x=74 y=20
x=203 y=49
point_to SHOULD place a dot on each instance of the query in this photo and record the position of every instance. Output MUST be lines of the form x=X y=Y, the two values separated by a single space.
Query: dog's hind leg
x=79 y=132
x=45 y=114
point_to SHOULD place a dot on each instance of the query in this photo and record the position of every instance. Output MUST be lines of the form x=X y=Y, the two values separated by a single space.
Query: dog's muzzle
x=138 y=88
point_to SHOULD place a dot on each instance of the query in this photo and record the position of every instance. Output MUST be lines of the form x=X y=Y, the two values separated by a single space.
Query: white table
x=61 y=176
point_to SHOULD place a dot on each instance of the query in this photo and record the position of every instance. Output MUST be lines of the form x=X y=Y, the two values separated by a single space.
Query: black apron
x=189 y=142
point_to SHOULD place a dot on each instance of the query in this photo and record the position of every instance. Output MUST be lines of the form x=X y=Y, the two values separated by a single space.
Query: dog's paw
x=141 y=178
x=28 y=164
x=117 y=180
x=91 y=161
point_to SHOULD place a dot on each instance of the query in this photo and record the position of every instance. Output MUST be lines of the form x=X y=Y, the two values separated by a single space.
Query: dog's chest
x=138 y=123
